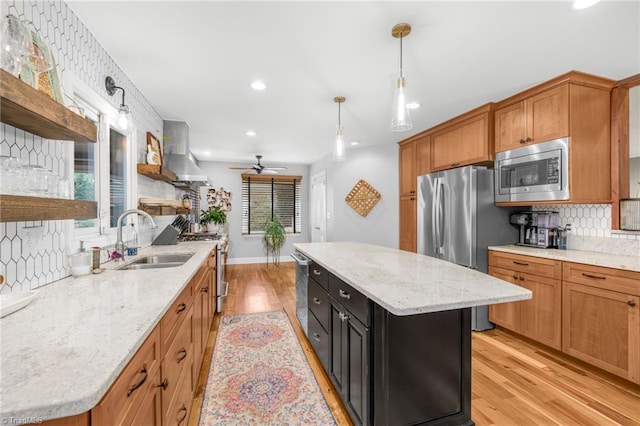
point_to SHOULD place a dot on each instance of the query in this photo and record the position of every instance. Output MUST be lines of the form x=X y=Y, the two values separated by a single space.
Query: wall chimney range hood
x=177 y=156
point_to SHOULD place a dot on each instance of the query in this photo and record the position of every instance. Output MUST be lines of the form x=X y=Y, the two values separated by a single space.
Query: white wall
x=249 y=248
x=379 y=167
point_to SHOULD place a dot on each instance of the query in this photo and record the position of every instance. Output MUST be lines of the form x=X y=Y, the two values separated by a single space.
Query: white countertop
x=407 y=283
x=61 y=353
x=629 y=263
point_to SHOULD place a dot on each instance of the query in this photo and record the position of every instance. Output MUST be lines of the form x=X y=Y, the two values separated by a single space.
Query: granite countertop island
x=407 y=283
x=62 y=352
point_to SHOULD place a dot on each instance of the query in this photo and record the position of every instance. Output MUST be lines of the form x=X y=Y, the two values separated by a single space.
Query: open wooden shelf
x=156 y=172
x=163 y=210
x=28 y=109
x=20 y=208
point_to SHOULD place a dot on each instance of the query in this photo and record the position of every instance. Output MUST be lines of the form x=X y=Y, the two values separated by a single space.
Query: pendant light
x=339 y=149
x=124 y=116
x=400 y=118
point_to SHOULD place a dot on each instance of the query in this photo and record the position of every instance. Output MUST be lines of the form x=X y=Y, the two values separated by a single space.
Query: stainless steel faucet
x=119 y=242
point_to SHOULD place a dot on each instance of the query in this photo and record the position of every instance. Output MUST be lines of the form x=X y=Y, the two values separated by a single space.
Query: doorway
x=318 y=208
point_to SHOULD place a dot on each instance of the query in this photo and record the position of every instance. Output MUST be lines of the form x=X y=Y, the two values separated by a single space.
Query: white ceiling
x=194 y=61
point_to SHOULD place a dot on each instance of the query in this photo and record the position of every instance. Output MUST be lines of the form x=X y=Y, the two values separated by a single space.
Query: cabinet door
x=408 y=181
x=150 y=411
x=356 y=395
x=540 y=316
x=548 y=115
x=408 y=223
x=506 y=315
x=602 y=327
x=464 y=143
x=423 y=156
x=510 y=123
x=337 y=366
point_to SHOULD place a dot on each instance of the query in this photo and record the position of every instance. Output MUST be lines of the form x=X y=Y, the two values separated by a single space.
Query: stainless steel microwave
x=538 y=172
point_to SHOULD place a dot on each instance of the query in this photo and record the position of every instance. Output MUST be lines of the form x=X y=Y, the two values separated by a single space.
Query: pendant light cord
x=339 y=114
x=401 y=37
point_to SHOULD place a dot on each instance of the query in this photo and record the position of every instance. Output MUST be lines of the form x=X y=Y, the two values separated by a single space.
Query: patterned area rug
x=260 y=376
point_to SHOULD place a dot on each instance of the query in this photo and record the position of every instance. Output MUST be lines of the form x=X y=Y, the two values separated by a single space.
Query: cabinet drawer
x=179 y=409
x=606 y=278
x=534 y=265
x=354 y=301
x=319 y=274
x=124 y=397
x=319 y=339
x=177 y=359
x=171 y=320
x=319 y=303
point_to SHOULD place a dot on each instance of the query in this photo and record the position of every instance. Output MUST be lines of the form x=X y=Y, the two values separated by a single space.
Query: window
x=264 y=197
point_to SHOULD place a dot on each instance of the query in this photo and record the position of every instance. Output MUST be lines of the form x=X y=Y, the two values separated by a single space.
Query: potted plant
x=214 y=216
x=274 y=238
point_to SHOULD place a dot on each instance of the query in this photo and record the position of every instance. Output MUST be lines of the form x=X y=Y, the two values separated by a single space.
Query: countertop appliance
x=537 y=228
x=458 y=220
x=302 y=274
x=538 y=172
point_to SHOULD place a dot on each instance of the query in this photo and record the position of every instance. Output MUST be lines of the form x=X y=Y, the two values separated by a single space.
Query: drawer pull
x=412 y=192
x=316 y=337
x=316 y=301
x=181 y=307
x=631 y=303
x=316 y=272
x=594 y=276
x=412 y=198
x=520 y=263
x=515 y=277
x=205 y=289
x=521 y=278
x=136 y=385
x=521 y=141
x=344 y=294
x=183 y=354
x=455 y=164
x=528 y=140
x=183 y=410
x=343 y=316
x=163 y=385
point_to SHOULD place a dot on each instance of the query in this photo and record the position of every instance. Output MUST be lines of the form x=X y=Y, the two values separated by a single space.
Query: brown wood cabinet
x=415 y=160
x=601 y=318
x=540 y=317
x=463 y=140
x=574 y=105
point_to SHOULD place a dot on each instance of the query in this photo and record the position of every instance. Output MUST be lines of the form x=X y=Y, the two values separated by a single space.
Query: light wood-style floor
x=514 y=382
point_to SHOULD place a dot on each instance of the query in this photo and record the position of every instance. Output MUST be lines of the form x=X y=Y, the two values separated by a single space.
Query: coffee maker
x=537 y=228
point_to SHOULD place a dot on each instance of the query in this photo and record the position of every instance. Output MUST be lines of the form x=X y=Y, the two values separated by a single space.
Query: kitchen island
x=393 y=330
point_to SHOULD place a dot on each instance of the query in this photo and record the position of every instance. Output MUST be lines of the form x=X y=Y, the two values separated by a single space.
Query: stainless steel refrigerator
x=458 y=220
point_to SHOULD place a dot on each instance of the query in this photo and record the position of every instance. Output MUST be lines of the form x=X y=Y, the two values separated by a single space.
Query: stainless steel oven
x=538 y=172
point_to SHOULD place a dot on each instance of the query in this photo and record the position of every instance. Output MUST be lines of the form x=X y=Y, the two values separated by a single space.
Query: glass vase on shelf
x=15 y=44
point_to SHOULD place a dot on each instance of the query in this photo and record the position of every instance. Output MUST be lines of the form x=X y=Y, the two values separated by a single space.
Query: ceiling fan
x=259 y=168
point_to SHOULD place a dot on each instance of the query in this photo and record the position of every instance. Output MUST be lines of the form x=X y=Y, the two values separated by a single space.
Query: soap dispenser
x=80 y=262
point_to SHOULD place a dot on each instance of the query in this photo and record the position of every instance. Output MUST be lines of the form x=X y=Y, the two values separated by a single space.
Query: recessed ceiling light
x=250 y=133
x=354 y=143
x=413 y=105
x=258 y=85
x=583 y=4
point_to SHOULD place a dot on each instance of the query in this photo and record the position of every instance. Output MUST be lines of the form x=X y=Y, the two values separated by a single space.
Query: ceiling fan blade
x=268 y=171
x=274 y=168
x=240 y=168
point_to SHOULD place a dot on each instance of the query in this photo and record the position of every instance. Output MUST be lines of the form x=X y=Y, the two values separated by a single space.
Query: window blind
x=265 y=197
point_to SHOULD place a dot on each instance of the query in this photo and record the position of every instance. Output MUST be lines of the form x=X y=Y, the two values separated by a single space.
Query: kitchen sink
x=168 y=260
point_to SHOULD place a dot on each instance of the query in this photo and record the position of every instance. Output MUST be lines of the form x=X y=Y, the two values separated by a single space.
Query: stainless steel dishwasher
x=302 y=274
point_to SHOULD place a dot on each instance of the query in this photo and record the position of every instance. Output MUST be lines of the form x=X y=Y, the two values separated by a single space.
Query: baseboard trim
x=248 y=260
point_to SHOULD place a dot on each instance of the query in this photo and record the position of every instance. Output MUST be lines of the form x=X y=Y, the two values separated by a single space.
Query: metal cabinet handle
x=181 y=307
x=344 y=294
x=316 y=337
x=205 y=289
x=164 y=384
x=521 y=141
x=631 y=303
x=183 y=354
x=412 y=198
x=183 y=410
x=316 y=272
x=598 y=277
x=515 y=277
x=528 y=139
x=455 y=164
x=316 y=301
x=343 y=316
x=520 y=263
x=133 y=387
x=521 y=278
x=412 y=191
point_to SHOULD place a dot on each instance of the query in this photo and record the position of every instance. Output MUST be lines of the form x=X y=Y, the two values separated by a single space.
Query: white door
x=318 y=208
